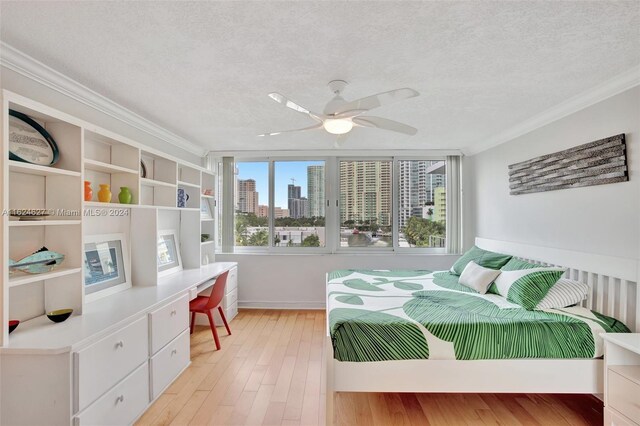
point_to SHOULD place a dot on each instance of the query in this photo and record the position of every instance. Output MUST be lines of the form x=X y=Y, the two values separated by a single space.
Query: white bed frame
x=614 y=292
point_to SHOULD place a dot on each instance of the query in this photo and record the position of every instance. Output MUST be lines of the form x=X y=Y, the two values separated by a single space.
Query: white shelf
x=22 y=278
x=206 y=243
x=110 y=205
x=206 y=220
x=99 y=166
x=152 y=182
x=207 y=196
x=191 y=185
x=43 y=222
x=33 y=169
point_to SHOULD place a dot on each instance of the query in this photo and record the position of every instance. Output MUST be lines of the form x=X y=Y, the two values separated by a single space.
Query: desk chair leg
x=213 y=330
x=224 y=320
x=193 y=321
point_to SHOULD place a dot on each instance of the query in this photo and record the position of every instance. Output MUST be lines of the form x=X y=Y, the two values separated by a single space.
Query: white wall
x=598 y=219
x=298 y=281
x=17 y=83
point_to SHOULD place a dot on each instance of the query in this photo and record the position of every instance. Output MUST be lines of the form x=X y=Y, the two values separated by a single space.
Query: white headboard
x=613 y=280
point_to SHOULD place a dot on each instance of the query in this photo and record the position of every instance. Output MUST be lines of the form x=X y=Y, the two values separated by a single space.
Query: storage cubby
x=67 y=136
x=109 y=161
x=159 y=169
x=188 y=176
x=155 y=194
x=208 y=184
x=191 y=197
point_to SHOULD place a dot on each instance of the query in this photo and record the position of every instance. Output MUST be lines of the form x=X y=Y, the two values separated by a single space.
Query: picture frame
x=168 y=256
x=106 y=266
x=29 y=142
x=205 y=209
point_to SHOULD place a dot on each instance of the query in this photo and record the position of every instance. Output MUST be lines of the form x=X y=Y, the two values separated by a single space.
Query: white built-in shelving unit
x=89 y=153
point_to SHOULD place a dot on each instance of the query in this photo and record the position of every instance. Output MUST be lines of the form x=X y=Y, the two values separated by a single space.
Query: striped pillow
x=526 y=283
x=564 y=293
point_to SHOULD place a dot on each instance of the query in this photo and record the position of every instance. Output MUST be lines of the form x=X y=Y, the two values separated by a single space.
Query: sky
x=284 y=171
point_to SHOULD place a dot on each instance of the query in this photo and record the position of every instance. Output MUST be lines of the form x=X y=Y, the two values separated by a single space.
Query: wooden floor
x=269 y=372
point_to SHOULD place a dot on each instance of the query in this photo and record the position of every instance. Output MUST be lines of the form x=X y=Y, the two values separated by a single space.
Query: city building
x=298 y=205
x=263 y=211
x=365 y=191
x=418 y=180
x=440 y=204
x=247 y=196
x=315 y=190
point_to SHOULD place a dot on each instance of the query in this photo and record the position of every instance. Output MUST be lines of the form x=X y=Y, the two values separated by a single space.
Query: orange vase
x=88 y=192
x=104 y=195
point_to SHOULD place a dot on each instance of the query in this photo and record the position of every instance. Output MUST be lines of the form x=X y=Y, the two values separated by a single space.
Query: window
x=340 y=204
x=299 y=204
x=422 y=203
x=366 y=210
x=251 y=197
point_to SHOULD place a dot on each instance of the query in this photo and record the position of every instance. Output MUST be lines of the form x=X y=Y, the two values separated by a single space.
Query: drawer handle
x=120 y=344
x=120 y=399
x=173 y=312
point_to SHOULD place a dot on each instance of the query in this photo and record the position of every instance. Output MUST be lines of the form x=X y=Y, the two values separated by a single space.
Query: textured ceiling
x=203 y=69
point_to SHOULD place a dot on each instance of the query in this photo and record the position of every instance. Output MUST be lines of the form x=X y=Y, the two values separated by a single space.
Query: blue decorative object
x=43 y=260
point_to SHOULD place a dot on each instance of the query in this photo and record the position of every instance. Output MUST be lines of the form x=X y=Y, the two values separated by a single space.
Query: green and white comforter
x=401 y=314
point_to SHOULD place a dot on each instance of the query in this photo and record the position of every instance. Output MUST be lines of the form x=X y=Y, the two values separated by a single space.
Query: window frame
x=332 y=208
x=271 y=248
x=396 y=200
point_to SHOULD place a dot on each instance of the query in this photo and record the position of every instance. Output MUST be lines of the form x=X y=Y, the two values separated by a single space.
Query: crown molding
x=15 y=60
x=612 y=87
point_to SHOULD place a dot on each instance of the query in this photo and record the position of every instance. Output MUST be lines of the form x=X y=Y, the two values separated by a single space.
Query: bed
x=420 y=331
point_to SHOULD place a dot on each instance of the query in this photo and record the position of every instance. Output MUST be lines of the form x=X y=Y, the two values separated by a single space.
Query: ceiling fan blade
x=384 y=123
x=374 y=101
x=315 y=126
x=281 y=99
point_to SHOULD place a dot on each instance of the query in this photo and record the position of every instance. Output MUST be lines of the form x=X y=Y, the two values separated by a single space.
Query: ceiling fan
x=340 y=116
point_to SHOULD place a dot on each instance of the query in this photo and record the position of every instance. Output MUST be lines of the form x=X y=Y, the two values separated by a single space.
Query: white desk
x=40 y=335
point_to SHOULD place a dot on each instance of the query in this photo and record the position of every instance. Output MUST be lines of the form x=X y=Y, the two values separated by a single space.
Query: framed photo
x=205 y=209
x=29 y=142
x=107 y=267
x=169 y=260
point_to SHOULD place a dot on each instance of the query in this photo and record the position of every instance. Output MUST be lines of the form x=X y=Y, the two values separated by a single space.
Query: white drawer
x=121 y=405
x=168 y=321
x=106 y=362
x=613 y=418
x=169 y=362
x=231 y=312
x=231 y=298
x=232 y=280
x=624 y=395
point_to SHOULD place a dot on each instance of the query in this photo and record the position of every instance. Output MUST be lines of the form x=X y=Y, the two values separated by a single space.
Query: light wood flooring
x=269 y=372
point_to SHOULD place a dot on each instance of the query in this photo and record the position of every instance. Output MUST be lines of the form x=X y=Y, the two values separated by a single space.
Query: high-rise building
x=298 y=205
x=247 y=196
x=440 y=210
x=418 y=180
x=315 y=190
x=365 y=191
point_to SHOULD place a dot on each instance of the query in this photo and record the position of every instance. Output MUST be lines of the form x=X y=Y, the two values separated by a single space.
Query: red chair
x=205 y=304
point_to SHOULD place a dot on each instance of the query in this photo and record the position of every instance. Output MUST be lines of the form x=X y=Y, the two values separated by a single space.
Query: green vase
x=125 y=195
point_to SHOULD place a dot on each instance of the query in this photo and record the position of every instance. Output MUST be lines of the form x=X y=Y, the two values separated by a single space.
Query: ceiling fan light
x=337 y=126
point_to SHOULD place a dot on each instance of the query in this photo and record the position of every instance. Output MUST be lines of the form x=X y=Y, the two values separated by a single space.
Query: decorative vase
x=88 y=192
x=125 y=195
x=104 y=195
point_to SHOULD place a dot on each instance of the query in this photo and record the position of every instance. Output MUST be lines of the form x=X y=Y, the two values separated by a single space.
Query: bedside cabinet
x=622 y=379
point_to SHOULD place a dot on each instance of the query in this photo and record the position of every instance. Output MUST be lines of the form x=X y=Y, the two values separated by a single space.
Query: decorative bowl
x=13 y=324
x=59 y=315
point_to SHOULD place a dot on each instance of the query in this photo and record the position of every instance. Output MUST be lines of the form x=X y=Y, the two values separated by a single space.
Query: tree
x=259 y=238
x=418 y=231
x=311 y=241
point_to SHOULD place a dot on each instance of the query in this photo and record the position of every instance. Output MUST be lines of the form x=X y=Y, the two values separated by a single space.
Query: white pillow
x=564 y=293
x=478 y=277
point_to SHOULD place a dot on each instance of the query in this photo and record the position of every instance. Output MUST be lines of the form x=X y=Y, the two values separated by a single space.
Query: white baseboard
x=253 y=304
